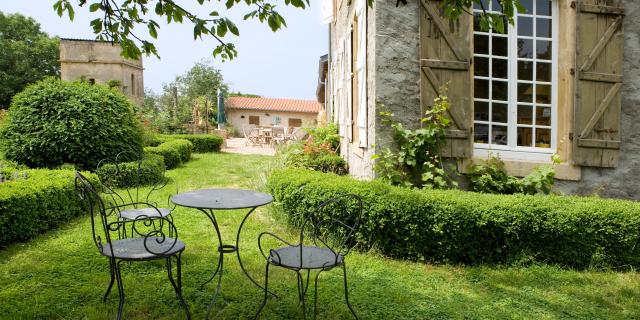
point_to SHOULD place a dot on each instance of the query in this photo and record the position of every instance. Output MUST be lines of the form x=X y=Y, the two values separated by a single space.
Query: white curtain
x=361 y=66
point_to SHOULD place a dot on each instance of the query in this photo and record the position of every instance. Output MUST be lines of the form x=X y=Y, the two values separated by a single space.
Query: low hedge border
x=174 y=152
x=150 y=171
x=201 y=142
x=42 y=201
x=452 y=226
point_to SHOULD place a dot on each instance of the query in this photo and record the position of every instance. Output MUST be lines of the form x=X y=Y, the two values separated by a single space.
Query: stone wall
x=101 y=61
x=623 y=181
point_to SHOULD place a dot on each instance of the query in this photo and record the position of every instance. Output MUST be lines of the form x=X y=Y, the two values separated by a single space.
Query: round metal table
x=208 y=200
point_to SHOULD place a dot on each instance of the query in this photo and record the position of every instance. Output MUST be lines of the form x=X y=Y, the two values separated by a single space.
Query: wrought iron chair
x=132 y=190
x=150 y=240
x=326 y=237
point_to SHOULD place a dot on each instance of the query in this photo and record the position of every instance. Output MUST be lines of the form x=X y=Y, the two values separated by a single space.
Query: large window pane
x=543 y=49
x=499 y=135
x=481 y=66
x=500 y=46
x=481 y=88
x=500 y=68
x=524 y=137
x=500 y=112
x=525 y=26
x=543 y=116
x=543 y=28
x=543 y=71
x=525 y=70
x=543 y=7
x=481 y=111
x=528 y=5
x=500 y=90
x=525 y=114
x=525 y=48
x=481 y=44
x=525 y=92
x=543 y=93
x=543 y=138
x=481 y=133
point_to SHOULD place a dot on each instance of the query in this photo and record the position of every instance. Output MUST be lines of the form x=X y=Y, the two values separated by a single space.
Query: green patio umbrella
x=221 y=118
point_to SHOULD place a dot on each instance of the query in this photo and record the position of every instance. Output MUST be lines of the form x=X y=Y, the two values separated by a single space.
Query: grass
x=60 y=275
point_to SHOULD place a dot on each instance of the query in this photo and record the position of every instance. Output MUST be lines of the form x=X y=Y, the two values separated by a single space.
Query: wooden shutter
x=599 y=49
x=445 y=51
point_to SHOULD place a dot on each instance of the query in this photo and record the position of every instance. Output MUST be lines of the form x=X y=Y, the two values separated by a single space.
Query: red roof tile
x=273 y=104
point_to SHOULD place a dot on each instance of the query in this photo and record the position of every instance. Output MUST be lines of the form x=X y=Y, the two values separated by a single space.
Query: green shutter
x=445 y=52
x=599 y=54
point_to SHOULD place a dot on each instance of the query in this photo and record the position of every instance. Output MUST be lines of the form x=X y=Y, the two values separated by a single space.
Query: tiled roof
x=273 y=104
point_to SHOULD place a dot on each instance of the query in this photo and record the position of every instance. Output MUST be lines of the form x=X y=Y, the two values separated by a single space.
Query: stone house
x=101 y=62
x=266 y=112
x=562 y=80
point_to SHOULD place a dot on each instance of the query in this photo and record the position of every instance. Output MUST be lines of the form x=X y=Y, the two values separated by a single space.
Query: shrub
x=170 y=155
x=146 y=172
x=490 y=176
x=53 y=122
x=201 y=142
x=184 y=148
x=311 y=156
x=453 y=226
x=38 y=203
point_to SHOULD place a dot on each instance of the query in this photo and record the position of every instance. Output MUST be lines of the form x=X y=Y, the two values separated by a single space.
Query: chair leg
x=346 y=290
x=266 y=290
x=113 y=278
x=315 y=295
x=120 y=289
x=178 y=287
x=303 y=292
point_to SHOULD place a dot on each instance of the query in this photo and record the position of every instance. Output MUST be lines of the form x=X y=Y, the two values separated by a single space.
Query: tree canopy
x=197 y=88
x=26 y=55
x=121 y=21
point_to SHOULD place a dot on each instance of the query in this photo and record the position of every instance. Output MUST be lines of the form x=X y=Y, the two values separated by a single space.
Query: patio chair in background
x=251 y=134
x=326 y=237
x=299 y=134
x=277 y=135
x=150 y=241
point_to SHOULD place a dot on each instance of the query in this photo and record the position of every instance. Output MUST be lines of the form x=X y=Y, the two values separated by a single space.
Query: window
x=293 y=122
x=133 y=85
x=254 y=120
x=514 y=87
x=354 y=81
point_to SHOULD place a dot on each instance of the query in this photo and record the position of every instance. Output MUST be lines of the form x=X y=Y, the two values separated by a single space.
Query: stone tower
x=101 y=62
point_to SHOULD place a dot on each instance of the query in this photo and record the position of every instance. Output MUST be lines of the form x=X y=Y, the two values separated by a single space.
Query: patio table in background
x=208 y=200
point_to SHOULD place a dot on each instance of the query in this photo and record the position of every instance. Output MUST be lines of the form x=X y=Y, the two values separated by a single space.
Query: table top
x=221 y=199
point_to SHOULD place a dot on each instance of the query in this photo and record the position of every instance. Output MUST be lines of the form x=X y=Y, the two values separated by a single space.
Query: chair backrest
x=154 y=229
x=334 y=223
x=277 y=132
x=131 y=182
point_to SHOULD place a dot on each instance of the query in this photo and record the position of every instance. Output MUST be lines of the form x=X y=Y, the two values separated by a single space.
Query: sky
x=282 y=64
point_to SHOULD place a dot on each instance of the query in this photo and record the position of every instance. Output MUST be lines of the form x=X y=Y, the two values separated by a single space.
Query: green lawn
x=60 y=275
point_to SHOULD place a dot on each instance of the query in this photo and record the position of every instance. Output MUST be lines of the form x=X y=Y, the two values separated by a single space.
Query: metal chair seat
x=135 y=213
x=134 y=248
x=312 y=257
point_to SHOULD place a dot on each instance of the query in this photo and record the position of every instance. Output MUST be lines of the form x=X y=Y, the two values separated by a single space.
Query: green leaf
x=94 y=7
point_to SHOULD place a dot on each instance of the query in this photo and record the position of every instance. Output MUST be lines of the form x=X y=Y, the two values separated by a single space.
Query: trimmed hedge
x=184 y=148
x=151 y=171
x=452 y=226
x=41 y=202
x=201 y=142
x=174 y=152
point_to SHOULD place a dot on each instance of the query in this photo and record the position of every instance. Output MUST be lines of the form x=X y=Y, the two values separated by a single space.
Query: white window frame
x=512 y=151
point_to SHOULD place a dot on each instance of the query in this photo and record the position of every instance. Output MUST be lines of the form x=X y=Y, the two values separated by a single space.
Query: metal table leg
x=238 y=253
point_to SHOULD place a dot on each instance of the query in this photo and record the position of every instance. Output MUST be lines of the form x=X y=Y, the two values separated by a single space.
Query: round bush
x=171 y=155
x=53 y=122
